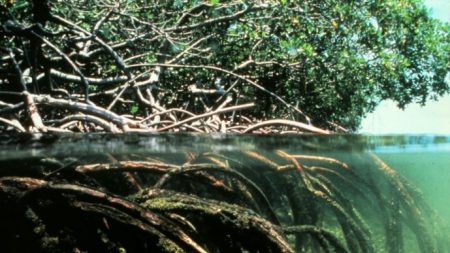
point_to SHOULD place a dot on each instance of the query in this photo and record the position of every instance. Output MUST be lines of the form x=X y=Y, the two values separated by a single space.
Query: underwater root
x=327 y=240
x=272 y=202
x=66 y=217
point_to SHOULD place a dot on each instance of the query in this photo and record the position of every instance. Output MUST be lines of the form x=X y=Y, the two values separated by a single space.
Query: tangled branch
x=93 y=75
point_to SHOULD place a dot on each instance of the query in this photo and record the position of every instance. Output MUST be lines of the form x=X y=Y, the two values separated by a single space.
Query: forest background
x=214 y=65
x=432 y=118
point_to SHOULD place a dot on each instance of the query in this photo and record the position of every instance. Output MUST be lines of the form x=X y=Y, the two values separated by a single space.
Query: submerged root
x=414 y=216
x=327 y=240
x=230 y=227
x=269 y=202
x=86 y=219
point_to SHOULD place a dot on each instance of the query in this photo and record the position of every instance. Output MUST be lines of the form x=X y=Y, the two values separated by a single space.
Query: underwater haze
x=224 y=193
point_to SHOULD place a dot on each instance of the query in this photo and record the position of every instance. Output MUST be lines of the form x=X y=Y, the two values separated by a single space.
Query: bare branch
x=91 y=80
x=33 y=112
x=174 y=59
x=14 y=123
x=100 y=112
x=167 y=112
x=253 y=83
x=109 y=127
x=108 y=48
x=290 y=123
x=208 y=22
x=19 y=72
x=68 y=60
x=228 y=109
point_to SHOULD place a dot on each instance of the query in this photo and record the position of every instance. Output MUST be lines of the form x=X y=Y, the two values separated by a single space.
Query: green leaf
x=214 y=2
x=134 y=109
x=92 y=87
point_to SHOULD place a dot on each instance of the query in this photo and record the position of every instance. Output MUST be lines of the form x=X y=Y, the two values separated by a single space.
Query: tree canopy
x=321 y=63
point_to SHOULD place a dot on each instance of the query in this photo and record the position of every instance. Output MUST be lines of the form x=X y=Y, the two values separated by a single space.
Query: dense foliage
x=327 y=61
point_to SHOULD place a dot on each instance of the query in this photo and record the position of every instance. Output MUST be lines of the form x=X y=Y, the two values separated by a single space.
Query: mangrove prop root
x=92 y=206
x=327 y=239
x=410 y=206
x=258 y=198
x=236 y=224
x=211 y=202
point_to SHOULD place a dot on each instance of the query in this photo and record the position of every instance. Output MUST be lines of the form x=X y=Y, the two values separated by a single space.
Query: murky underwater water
x=429 y=172
x=323 y=193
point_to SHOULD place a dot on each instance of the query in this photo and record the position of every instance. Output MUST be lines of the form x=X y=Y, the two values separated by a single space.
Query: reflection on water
x=317 y=193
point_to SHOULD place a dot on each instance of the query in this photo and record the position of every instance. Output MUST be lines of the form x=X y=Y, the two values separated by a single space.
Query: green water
x=397 y=200
x=429 y=171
